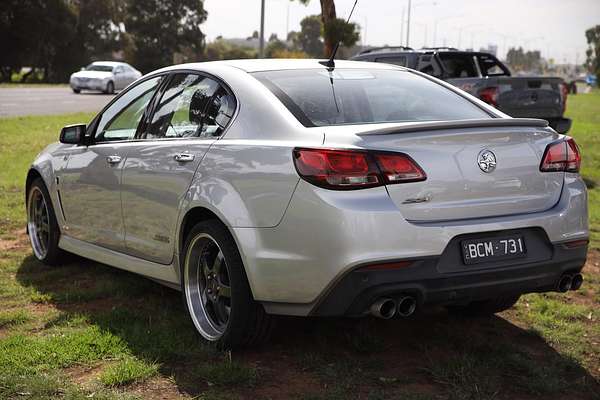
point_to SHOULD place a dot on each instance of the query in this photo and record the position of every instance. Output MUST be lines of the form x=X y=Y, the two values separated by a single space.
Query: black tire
x=110 y=88
x=76 y=90
x=485 y=307
x=53 y=254
x=248 y=324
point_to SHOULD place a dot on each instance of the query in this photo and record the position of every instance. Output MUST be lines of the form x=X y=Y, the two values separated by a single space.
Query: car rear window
x=359 y=96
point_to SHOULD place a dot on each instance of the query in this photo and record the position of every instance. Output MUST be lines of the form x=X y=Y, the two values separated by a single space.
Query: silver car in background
x=105 y=76
x=262 y=187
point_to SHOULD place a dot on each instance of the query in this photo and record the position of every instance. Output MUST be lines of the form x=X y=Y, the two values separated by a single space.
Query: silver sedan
x=264 y=187
x=105 y=76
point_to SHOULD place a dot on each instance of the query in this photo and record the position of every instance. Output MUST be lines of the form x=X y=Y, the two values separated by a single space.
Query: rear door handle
x=113 y=159
x=183 y=157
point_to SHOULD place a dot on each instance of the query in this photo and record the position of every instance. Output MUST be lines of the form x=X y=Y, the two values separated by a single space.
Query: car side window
x=121 y=119
x=192 y=106
x=490 y=66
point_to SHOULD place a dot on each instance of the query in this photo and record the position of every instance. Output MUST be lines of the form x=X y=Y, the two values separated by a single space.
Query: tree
x=521 y=60
x=593 y=52
x=161 y=28
x=335 y=29
x=309 y=37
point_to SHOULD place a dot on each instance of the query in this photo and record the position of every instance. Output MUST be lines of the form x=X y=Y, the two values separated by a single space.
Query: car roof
x=275 y=64
x=392 y=50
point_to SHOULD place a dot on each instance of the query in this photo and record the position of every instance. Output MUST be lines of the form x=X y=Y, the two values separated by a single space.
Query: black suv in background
x=484 y=76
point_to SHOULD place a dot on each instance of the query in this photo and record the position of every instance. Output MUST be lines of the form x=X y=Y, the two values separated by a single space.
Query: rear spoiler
x=463 y=123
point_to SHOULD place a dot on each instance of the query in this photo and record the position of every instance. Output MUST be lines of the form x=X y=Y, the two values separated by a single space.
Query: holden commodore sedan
x=105 y=76
x=264 y=187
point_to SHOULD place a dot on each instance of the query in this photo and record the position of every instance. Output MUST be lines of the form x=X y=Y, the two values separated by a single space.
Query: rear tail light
x=489 y=95
x=561 y=156
x=355 y=169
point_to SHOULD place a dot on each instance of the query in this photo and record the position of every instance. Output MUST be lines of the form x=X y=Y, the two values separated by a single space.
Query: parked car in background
x=484 y=76
x=105 y=76
x=261 y=187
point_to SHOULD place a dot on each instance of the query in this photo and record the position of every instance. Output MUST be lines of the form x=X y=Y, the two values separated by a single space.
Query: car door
x=188 y=116
x=120 y=75
x=91 y=181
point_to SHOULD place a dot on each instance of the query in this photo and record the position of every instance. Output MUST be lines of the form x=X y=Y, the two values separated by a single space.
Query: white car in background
x=105 y=76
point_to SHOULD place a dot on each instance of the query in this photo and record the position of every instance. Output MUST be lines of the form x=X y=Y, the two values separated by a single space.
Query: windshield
x=358 y=96
x=97 y=67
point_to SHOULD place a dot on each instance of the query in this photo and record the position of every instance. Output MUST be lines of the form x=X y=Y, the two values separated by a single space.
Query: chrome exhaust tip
x=384 y=308
x=564 y=283
x=576 y=281
x=406 y=306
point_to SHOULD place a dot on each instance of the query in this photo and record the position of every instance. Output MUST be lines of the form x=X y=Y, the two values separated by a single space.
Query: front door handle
x=183 y=157
x=113 y=159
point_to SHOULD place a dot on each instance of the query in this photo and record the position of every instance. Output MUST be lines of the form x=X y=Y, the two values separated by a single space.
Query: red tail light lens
x=355 y=169
x=561 y=156
x=489 y=95
x=399 y=168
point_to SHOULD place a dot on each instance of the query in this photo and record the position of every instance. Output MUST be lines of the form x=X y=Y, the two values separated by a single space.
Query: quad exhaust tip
x=384 y=308
x=576 y=281
x=565 y=283
x=406 y=306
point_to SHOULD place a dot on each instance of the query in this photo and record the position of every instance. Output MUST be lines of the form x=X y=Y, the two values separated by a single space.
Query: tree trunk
x=327 y=15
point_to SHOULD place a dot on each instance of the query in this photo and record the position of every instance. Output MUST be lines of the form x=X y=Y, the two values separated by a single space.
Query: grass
x=13 y=317
x=83 y=330
x=21 y=138
x=584 y=110
x=127 y=371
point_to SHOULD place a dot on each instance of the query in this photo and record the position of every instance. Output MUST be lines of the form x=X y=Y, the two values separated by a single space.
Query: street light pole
x=408 y=25
x=261 y=50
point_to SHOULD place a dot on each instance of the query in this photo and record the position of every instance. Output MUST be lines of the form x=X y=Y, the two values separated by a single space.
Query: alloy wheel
x=207 y=287
x=38 y=223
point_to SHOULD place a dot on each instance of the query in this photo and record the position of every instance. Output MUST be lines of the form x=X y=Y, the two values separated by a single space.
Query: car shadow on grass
x=430 y=355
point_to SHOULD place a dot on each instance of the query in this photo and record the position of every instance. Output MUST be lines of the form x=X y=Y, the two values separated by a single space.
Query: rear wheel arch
x=199 y=214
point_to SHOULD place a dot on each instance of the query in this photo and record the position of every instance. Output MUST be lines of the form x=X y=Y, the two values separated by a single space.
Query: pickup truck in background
x=484 y=76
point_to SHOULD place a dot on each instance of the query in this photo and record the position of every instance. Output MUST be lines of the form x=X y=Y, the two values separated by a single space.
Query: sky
x=555 y=27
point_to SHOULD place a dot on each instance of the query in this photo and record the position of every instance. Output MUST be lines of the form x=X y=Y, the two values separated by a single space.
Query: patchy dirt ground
x=519 y=354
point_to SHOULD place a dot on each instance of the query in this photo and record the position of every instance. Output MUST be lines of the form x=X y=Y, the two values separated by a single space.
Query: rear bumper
x=430 y=282
x=325 y=235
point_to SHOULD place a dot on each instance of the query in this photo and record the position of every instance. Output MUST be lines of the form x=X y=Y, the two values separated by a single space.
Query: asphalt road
x=49 y=100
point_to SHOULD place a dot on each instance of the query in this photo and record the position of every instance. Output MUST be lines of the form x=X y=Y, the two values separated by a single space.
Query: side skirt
x=164 y=274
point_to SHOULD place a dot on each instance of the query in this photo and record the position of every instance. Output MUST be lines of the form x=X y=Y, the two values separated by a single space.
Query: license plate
x=476 y=251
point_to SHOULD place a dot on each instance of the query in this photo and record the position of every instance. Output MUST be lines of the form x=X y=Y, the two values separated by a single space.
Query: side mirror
x=72 y=134
x=562 y=126
x=82 y=69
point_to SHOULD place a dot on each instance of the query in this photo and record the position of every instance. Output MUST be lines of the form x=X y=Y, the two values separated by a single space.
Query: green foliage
x=338 y=30
x=593 y=52
x=160 y=28
x=309 y=38
x=274 y=47
x=221 y=50
x=57 y=37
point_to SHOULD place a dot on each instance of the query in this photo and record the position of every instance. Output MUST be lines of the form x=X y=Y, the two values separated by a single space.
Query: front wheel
x=486 y=307
x=42 y=226
x=216 y=291
x=76 y=90
x=110 y=88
